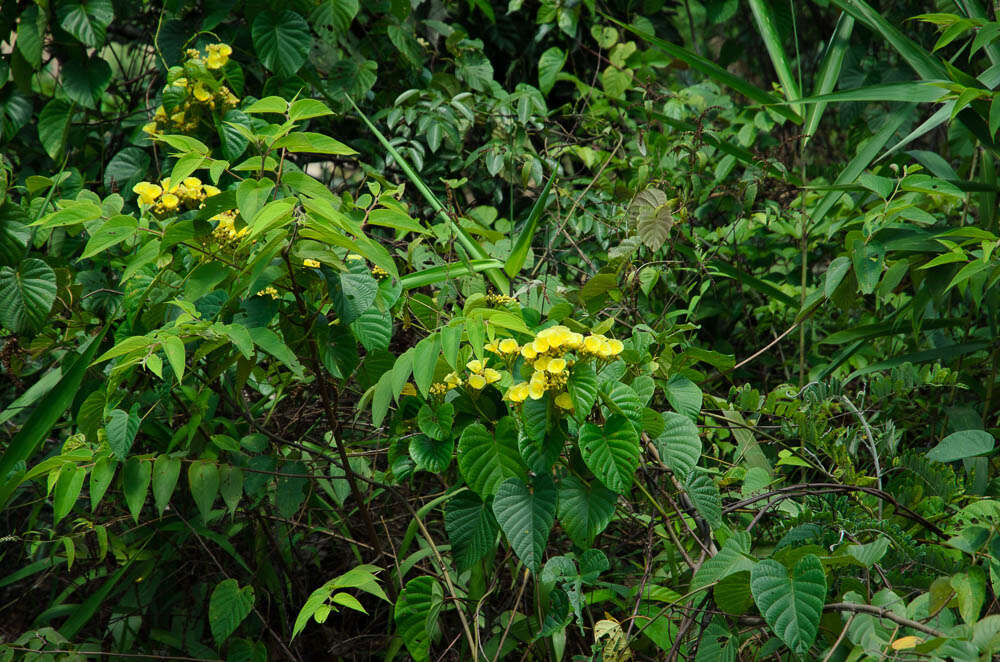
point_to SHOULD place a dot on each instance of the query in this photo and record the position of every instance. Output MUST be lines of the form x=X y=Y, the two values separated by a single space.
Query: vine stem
x=871 y=443
x=883 y=613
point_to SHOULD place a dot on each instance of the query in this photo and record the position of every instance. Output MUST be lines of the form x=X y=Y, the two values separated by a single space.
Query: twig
x=840 y=638
x=510 y=621
x=883 y=613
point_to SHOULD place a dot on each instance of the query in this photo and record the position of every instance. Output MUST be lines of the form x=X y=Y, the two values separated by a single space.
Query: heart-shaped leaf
x=791 y=605
x=227 y=608
x=485 y=460
x=471 y=528
x=432 y=455
x=26 y=294
x=612 y=453
x=416 y=615
x=679 y=444
x=584 y=510
x=526 y=514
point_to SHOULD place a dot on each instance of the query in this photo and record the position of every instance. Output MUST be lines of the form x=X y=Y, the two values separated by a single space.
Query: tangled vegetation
x=554 y=330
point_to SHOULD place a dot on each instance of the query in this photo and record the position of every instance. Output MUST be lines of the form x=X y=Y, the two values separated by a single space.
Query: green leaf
x=173 y=348
x=121 y=430
x=101 y=475
x=203 y=479
x=550 y=63
x=305 y=109
x=166 y=472
x=14 y=234
x=486 y=460
x=31 y=35
x=582 y=388
x=227 y=608
x=705 y=496
x=870 y=554
x=431 y=454
x=868 y=263
x=53 y=126
x=679 y=444
x=526 y=515
x=436 y=420
x=271 y=343
x=970 y=591
x=135 y=483
x=126 y=169
x=791 y=605
x=373 y=329
x=352 y=294
x=416 y=615
x=425 y=361
x=88 y=20
x=313 y=143
x=732 y=558
x=519 y=253
x=67 y=490
x=26 y=295
x=282 y=41
x=85 y=81
x=828 y=73
x=684 y=396
x=112 y=232
x=835 y=273
x=612 y=453
x=231 y=486
x=471 y=527
x=621 y=399
x=584 y=510
x=960 y=445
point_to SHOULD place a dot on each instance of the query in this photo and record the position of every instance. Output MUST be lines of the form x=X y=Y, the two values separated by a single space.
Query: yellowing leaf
x=905 y=642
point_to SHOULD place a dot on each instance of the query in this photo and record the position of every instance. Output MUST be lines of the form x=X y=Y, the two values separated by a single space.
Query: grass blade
x=908 y=92
x=829 y=72
x=520 y=251
x=713 y=71
x=467 y=242
x=934 y=121
x=445 y=272
x=975 y=9
x=767 y=27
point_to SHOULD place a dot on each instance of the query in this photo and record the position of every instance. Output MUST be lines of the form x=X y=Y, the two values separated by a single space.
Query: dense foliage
x=558 y=330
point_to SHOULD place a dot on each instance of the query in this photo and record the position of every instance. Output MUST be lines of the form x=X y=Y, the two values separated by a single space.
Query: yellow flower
x=492 y=347
x=491 y=375
x=210 y=190
x=167 y=185
x=309 y=262
x=518 y=392
x=536 y=391
x=538 y=377
x=529 y=352
x=452 y=380
x=904 y=643
x=477 y=381
x=201 y=93
x=354 y=256
x=475 y=365
x=541 y=362
x=180 y=82
x=147 y=192
x=556 y=366
x=150 y=128
x=556 y=336
x=509 y=346
x=615 y=347
x=564 y=401
x=540 y=344
x=218 y=55
x=408 y=389
x=575 y=340
x=160 y=115
x=192 y=183
x=593 y=343
x=169 y=201
x=268 y=291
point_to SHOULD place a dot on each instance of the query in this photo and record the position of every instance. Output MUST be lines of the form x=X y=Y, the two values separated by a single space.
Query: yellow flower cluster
x=547 y=355
x=268 y=291
x=481 y=375
x=166 y=197
x=499 y=299
x=379 y=273
x=198 y=95
x=225 y=232
x=311 y=263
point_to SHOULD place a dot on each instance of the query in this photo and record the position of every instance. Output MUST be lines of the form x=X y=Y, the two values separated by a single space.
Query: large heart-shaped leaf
x=584 y=510
x=26 y=294
x=430 y=454
x=416 y=615
x=582 y=388
x=471 y=528
x=85 y=81
x=612 y=453
x=621 y=399
x=485 y=460
x=526 y=514
x=679 y=444
x=227 y=608
x=282 y=41
x=791 y=605
x=705 y=496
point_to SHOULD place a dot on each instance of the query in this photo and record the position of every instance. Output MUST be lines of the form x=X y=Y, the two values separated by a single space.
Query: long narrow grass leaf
x=713 y=71
x=908 y=92
x=829 y=72
x=934 y=121
x=520 y=252
x=446 y=272
x=763 y=16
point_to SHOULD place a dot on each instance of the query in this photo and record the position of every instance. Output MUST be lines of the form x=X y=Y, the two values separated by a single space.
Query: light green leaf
x=550 y=63
x=271 y=343
x=101 y=475
x=970 y=591
x=732 y=558
x=684 y=396
x=305 y=109
x=705 y=496
x=791 y=605
x=871 y=553
x=227 y=608
x=679 y=444
x=114 y=231
x=526 y=515
x=416 y=615
x=53 y=126
x=612 y=453
x=584 y=510
x=313 y=143
x=486 y=460
x=67 y=490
